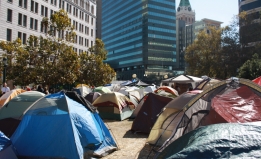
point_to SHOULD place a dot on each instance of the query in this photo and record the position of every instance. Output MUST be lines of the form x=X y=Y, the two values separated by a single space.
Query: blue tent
x=58 y=126
x=6 y=148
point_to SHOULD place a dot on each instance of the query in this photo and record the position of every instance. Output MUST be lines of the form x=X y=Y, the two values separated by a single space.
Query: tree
x=251 y=69
x=204 y=54
x=51 y=60
x=221 y=53
x=93 y=71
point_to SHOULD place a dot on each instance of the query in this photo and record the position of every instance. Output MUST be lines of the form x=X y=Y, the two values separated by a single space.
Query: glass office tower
x=140 y=37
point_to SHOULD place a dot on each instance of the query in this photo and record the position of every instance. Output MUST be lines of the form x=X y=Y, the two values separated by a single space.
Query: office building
x=185 y=12
x=140 y=37
x=203 y=24
x=22 y=18
x=185 y=30
x=250 y=34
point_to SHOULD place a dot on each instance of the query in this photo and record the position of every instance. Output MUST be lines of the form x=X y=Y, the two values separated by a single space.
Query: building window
x=92 y=32
x=20 y=35
x=92 y=11
x=91 y=43
x=31 y=23
x=36 y=7
x=25 y=3
x=32 y=6
x=8 y=35
x=42 y=10
x=25 y=21
x=92 y=21
x=53 y=2
x=35 y=24
x=20 y=18
x=24 y=38
x=20 y=3
x=10 y=1
x=46 y=12
x=9 y=15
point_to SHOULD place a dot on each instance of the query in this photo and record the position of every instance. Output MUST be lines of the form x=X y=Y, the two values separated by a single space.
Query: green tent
x=102 y=90
x=16 y=106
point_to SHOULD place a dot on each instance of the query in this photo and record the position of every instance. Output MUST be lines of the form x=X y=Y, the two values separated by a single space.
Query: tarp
x=147 y=115
x=57 y=126
x=229 y=140
x=9 y=95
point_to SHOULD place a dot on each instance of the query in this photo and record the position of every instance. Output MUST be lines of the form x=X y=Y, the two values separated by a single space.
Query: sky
x=220 y=10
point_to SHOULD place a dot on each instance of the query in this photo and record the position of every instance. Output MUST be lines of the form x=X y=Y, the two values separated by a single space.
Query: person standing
x=5 y=89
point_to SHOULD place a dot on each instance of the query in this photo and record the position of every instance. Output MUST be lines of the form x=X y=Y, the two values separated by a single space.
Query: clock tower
x=185 y=12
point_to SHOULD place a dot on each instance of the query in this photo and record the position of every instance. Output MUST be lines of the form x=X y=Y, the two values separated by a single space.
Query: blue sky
x=220 y=10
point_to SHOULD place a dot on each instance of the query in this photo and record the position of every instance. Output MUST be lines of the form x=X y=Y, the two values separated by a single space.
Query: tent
x=227 y=140
x=102 y=90
x=12 y=112
x=9 y=95
x=169 y=118
x=114 y=105
x=82 y=90
x=257 y=80
x=183 y=80
x=231 y=101
x=91 y=97
x=57 y=126
x=170 y=91
x=147 y=115
x=207 y=82
x=137 y=109
x=7 y=150
x=149 y=89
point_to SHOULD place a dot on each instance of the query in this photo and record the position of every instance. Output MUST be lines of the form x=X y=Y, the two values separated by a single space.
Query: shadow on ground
x=130 y=134
x=146 y=152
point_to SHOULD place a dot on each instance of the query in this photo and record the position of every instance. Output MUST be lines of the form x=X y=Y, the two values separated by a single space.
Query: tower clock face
x=189 y=9
x=178 y=9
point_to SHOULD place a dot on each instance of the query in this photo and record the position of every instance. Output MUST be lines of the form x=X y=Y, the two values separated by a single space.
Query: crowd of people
x=39 y=88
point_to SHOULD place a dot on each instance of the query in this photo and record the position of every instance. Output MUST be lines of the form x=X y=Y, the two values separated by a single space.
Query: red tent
x=258 y=80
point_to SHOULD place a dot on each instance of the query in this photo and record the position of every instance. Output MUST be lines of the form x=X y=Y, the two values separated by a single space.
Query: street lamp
x=4 y=71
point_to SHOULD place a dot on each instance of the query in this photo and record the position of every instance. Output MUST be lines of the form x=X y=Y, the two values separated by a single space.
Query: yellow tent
x=9 y=95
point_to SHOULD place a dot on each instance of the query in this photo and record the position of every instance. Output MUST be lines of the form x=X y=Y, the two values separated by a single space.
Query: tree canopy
x=223 y=51
x=51 y=60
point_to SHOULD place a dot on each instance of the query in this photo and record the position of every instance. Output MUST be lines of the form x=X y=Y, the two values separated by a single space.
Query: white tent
x=183 y=79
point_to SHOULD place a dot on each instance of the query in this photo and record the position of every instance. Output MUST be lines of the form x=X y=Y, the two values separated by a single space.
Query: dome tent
x=231 y=101
x=69 y=126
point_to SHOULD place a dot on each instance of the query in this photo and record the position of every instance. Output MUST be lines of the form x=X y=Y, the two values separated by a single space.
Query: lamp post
x=4 y=70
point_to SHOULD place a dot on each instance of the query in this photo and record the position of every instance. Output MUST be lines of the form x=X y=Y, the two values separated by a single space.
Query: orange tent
x=9 y=95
